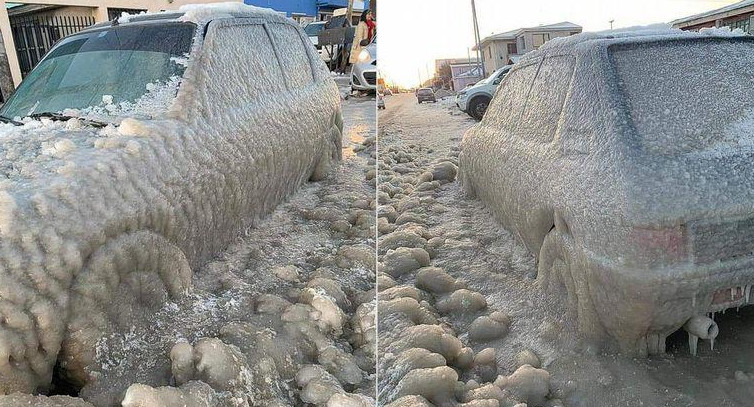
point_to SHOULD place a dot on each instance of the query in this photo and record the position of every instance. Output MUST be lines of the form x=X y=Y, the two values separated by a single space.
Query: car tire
x=557 y=274
x=478 y=106
x=122 y=285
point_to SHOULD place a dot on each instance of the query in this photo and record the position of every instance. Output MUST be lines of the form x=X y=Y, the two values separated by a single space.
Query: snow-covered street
x=458 y=300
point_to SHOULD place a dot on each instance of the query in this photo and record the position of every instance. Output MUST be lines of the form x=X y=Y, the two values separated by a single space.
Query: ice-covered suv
x=133 y=153
x=624 y=162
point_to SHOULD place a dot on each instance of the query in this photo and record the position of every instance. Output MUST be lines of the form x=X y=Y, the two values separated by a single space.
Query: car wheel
x=478 y=106
x=558 y=275
x=121 y=287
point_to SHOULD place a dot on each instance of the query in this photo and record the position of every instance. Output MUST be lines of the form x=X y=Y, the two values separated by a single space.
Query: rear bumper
x=632 y=304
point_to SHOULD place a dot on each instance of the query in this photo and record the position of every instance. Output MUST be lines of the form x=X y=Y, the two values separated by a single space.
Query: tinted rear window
x=688 y=96
x=425 y=92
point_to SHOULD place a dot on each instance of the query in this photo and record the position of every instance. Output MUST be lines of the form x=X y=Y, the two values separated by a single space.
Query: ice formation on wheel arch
x=173 y=190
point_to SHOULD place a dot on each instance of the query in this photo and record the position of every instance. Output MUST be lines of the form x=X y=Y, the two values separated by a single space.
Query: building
x=737 y=15
x=505 y=48
x=465 y=75
x=457 y=73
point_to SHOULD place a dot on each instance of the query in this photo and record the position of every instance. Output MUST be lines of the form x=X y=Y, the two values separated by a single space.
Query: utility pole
x=479 y=53
x=611 y=23
x=419 y=71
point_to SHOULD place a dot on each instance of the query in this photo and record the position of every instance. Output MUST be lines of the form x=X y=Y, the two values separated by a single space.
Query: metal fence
x=35 y=35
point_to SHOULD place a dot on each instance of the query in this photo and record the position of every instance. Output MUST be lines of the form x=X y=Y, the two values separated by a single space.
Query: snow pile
x=100 y=228
x=432 y=327
x=153 y=104
x=203 y=12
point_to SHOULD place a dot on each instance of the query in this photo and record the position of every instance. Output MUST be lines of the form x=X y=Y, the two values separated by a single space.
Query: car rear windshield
x=425 y=92
x=687 y=96
x=112 y=68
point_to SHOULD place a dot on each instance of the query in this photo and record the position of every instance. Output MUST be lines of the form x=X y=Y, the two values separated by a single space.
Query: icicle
x=747 y=291
x=693 y=301
x=693 y=341
x=733 y=293
x=712 y=344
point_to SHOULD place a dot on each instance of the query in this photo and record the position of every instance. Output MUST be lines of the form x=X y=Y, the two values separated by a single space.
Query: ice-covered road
x=521 y=325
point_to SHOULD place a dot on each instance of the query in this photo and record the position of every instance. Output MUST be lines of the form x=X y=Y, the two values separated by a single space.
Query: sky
x=413 y=33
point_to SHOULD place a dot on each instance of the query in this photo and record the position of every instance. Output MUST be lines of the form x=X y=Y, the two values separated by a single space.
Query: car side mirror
x=364 y=42
x=497 y=81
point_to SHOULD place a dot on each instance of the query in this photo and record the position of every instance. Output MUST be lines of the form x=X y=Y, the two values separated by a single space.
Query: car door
x=242 y=128
x=498 y=131
x=539 y=154
x=309 y=96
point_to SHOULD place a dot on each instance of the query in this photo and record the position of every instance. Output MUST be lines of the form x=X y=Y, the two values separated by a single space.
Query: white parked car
x=132 y=154
x=364 y=72
x=475 y=99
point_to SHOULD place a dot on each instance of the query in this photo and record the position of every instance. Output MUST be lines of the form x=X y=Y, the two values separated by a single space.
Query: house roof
x=714 y=14
x=511 y=35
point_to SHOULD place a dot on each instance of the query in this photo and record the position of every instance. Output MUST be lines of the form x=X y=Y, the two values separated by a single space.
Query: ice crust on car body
x=177 y=188
x=622 y=188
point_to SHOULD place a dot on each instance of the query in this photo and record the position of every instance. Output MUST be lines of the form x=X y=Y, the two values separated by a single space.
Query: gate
x=35 y=35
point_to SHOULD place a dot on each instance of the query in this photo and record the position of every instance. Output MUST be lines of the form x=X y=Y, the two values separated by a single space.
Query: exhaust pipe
x=701 y=327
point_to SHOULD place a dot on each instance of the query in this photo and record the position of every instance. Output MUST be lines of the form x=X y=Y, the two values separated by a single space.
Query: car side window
x=544 y=105
x=296 y=66
x=252 y=67
x=505 y=109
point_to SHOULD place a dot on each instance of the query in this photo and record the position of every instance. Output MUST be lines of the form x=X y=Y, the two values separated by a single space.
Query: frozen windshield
x=688 y=96
x=115 y=69
x=313 y=29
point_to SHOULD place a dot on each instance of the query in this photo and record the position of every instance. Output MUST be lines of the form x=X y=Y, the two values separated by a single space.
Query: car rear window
x=689 y=95
x=425 y=92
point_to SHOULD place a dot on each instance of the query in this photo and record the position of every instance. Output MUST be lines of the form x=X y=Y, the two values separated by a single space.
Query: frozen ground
x=477 y=269
x=284 y=316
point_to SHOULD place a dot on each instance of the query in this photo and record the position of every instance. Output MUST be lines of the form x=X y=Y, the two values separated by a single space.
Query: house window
x=540 y=39
x=742 y=24
x=512 y=49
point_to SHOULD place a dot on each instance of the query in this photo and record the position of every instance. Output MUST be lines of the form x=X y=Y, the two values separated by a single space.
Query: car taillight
x=660 y=246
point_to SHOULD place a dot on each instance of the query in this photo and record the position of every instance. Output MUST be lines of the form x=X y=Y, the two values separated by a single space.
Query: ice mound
x=431 y=325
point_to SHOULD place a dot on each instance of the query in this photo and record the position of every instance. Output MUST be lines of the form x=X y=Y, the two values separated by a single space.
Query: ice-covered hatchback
x=133 y=153
x=625 y=161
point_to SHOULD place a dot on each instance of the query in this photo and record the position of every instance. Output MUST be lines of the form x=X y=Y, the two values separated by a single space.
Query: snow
x=202 y=12
x=644 y=33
